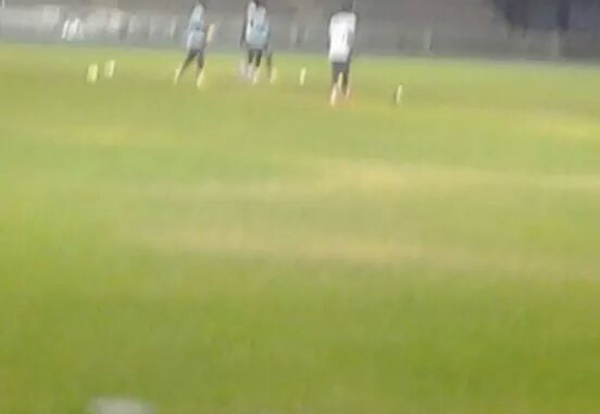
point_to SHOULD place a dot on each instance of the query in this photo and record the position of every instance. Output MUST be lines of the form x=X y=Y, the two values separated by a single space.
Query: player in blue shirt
x=197 y=36
x=256 y=38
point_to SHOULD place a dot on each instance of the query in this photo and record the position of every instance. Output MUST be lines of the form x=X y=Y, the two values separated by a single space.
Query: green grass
x=247 y=250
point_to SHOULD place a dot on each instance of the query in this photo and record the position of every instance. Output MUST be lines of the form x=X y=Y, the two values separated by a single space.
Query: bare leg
x=186 y=63
x=200 y=69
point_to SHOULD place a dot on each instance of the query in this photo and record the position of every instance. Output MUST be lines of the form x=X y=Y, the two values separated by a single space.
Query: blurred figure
x=72 y=27
x=197 y=36
x=248 y=13
x=256 y=37
x=342 y=32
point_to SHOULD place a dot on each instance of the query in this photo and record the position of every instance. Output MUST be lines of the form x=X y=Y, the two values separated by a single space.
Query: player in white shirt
x=342 y=32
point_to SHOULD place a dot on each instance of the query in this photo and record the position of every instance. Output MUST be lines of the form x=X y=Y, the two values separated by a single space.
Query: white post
x=398 y=94
x=3 y=4
x=303 y=74
x=294 y=33
x=556 y=46
x=428 y=40
x=173 y=28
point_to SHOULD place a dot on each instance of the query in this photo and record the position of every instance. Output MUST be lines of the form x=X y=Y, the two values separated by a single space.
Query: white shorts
x=196 y=40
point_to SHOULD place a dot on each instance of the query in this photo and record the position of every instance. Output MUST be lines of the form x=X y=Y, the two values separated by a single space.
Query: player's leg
x=336 y=72
x=254 y=58
x=250 y=64
x=257 y=64
x=244 y=61
x=345 y=74
x=336 y=81
x=191 y=55
x=243 y=67
x=269 y=63
x=200 y=62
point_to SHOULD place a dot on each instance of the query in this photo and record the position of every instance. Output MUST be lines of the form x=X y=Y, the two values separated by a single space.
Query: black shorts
x=255 y=56
x=340 y=69
x=195 y=52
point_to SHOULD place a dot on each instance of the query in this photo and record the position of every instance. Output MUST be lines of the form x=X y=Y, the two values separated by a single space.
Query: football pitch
x=249 y=250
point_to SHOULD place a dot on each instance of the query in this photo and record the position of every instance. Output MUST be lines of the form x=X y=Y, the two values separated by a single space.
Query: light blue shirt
x=258 y=29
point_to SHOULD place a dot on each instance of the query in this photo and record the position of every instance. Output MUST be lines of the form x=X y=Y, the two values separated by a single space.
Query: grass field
x=249 y=250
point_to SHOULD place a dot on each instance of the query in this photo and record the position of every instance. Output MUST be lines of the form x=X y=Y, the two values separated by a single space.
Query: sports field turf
x=249 y=250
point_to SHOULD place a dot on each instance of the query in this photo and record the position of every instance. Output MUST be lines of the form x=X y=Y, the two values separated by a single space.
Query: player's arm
x=352 y=35
x=269 y=33
x=329 y=33
x=243 y=32
x=350 y=38
x=245 y=24
x=210 y=32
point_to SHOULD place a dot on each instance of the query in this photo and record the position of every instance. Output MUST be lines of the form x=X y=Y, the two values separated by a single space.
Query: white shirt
x=342 y=29
x=250 y=10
